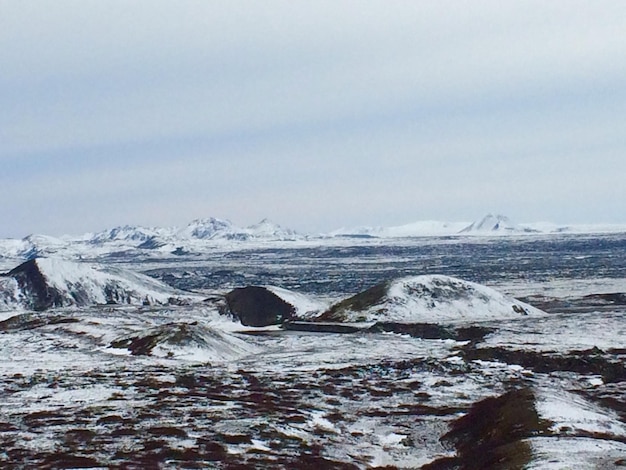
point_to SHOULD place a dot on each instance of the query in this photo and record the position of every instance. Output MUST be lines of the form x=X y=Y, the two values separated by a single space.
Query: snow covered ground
x=180 y=386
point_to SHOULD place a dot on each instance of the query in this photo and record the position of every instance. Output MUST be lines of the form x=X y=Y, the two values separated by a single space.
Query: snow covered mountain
x=489 y=225
x=206 y=229
x=205 y=234
x=127 y=233
x=428 y=299
x=199 y=230
x=423 y=228
x=495 y=224
x=43 y=283
x=266 y=229
x=32 y=246
x=198 y=236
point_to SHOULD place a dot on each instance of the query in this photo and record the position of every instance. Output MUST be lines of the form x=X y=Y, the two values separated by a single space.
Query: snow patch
x=570 y=413
x=305 y=306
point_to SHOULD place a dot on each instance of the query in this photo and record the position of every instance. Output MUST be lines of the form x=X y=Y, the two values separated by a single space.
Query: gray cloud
x=315 y=114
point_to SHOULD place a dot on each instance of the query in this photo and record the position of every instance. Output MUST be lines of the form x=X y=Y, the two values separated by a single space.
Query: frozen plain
x=285 y=399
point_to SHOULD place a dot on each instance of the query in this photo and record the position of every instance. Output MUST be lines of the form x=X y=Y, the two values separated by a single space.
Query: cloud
x=384 y=112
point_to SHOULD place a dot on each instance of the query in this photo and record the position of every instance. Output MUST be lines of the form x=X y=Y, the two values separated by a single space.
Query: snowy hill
x=266 y=229
x=127 y=233
x=206 y=229
x=195 y=235
x=218 y=229
x=304 y=306
x=32 y=246
x=43 y=283
x=192 y=341
x=489 y=225
x=423 y=228
x=428 y=299
x=495 y=224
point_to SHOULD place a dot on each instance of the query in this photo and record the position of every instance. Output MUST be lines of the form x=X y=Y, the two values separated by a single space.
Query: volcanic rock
x=492 y=434
x=258 y=306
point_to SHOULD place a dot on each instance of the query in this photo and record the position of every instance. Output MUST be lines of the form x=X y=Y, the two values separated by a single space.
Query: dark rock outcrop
x=616 y=298
x=317 y=327
x=362 y=301
x=258 y=306
x=29 y=321
x=32 y=283
x=492 y=434
x=590 y=361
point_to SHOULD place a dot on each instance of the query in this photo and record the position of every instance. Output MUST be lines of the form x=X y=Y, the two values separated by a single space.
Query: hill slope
x=43 y=283
x=428 y=299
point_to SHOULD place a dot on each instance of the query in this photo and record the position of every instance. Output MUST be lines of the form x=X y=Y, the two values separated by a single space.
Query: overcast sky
x=315 y=114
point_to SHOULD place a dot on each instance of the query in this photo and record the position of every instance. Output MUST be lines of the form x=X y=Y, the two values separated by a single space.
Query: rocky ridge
x=44 y=283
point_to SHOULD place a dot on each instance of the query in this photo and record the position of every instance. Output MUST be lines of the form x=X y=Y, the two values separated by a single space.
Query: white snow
x=489 y=225
x=306 y=306
x=203 y=235
x=10 y=298
x=318 y=421
x=565 y=453
x=392 y=440
x=438 y=298
x=571 y=413
x=605 y=330
x=422 y=228
x=218 y=346
x=127 y=233
x=90 y=283
x=69 y=367
x=493 y=225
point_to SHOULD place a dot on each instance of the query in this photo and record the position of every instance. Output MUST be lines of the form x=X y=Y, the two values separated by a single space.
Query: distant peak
x=207 y=228
x=208 y=220
x=264 y=223
x=491 y=223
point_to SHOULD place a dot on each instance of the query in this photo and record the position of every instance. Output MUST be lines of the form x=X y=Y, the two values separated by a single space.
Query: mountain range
x=202 y=234
x=489 y=225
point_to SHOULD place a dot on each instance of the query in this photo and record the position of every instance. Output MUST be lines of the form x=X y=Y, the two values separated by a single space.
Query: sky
x=314 y=114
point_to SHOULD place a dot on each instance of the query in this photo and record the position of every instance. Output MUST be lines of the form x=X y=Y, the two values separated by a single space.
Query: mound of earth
x=258 y=306
x=44 y=283
x=184 y=340
x=492 y=434
x=427 y=299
